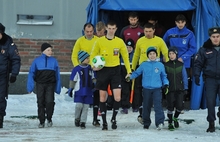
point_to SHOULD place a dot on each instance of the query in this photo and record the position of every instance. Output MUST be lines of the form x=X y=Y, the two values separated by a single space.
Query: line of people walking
x=158 y=65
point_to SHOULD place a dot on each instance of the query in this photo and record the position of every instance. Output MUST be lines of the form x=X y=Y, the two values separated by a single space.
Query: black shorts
x=108 y=75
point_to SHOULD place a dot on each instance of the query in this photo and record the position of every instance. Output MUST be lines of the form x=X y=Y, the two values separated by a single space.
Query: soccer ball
x=98 y=61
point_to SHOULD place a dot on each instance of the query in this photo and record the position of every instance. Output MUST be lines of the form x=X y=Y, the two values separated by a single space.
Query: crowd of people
x=143 y=66
x=158 y=62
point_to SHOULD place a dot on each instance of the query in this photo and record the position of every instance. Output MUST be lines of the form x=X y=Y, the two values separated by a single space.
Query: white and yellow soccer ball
x=98 y=61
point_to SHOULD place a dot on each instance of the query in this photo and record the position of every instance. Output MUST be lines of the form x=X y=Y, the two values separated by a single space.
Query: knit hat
x=82 y=55
x=129 y=42
x=2 y=28
x=44 y=46
x=174 y=49
x=150 y=49
x=214 y=30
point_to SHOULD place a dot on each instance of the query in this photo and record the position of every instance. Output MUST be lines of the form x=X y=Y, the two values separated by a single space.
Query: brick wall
x=30 y=49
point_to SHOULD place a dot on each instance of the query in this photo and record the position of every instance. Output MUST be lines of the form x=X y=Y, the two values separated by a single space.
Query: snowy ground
x=18 y=127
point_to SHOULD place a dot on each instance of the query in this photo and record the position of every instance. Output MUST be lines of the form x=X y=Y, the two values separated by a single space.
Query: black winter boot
x=211 y=127
x=170 y=116
x=1 y=121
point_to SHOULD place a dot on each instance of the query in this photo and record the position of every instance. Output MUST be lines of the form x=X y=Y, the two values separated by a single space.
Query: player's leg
x=95 y=108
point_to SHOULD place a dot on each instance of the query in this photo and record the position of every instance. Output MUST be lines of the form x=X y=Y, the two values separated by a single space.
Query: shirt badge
x=184 y=41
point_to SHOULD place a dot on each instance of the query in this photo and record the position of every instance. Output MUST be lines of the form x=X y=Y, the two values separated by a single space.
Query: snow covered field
x=19 y=125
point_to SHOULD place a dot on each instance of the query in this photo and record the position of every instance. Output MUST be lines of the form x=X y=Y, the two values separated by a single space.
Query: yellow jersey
x=111 y=49
x=140 y=53
x=83 y=44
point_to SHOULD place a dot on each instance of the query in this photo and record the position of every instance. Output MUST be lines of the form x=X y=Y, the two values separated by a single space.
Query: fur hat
x=44 y=46
x=129 y=42
x=82 y=55
x=2 y=28
x=150 y=49
x=214 y=30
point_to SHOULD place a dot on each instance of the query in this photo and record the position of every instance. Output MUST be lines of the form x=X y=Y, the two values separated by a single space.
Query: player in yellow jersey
x=84 y=43
x=110 y=47
x=148 y=40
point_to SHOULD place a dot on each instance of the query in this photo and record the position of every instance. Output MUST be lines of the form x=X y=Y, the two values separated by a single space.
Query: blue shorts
x=83 y=99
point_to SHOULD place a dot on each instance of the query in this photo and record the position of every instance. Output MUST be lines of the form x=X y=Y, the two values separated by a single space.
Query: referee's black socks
x=102 y=106
x=116 y=106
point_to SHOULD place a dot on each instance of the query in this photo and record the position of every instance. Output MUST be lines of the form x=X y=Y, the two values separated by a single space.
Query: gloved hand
x=127 y=78
x=12 y=79
x=197 y=80
x=70 y=92
x=166 y=89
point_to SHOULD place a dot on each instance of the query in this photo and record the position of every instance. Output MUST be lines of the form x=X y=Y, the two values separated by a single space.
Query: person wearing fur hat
x=154 y=78
x=178 y=85
x=81 y=81
x=207 y=61
x=45 y=72
x=10 y=63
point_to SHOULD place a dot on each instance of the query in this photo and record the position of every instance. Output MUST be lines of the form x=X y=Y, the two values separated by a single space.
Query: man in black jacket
x=207 y=60
x=9 y=66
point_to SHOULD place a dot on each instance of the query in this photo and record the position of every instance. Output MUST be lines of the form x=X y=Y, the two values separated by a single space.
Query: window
x=34 y=19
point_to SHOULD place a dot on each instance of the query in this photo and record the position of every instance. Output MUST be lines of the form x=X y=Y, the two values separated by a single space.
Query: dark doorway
x=165 y=18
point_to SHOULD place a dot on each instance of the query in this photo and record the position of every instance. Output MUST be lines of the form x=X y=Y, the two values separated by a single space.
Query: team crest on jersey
x=184 y=41
x=3 y=51
x=156 y=70
x=116 y=51
x=139 y=33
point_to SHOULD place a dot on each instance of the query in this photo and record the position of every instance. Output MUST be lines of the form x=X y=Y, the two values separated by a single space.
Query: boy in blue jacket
x=46 y=73
x=178 y=80
x=153 y=78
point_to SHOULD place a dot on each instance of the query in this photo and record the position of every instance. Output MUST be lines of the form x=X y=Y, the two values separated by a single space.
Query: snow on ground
x=18 y=126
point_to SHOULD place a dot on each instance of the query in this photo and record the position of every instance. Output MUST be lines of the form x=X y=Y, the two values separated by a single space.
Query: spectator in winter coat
x=10 y=63
x=178 y=85
x=45 y=72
